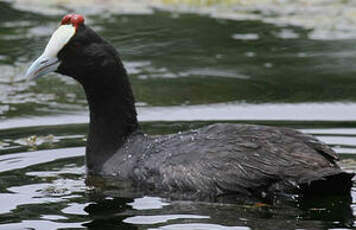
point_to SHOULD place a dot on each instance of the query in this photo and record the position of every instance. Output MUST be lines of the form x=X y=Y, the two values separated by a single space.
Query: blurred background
x=191 y=62
x=241 y=53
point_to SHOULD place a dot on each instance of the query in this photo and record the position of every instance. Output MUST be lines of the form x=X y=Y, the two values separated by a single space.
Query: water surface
x=187 y=70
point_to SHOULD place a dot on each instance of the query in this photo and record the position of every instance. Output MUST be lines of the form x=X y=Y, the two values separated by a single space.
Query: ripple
x=340 y=150
x=53 y=217
x=216 y=112
x=41 y=225
x=213 y=72
x=26 y=194
x=287 y=34
x=339 y=131
x=160 y=218
x=326 y=20
x=147 y=203
x=59 y=7
x=343 y=141
x=15 y=161
x=75 y=209
x=242 y=111
x=200 y=227
x=245 y=36
x=67 y=169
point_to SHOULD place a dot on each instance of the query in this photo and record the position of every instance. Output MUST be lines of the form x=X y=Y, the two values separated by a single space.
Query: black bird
x=217 y=159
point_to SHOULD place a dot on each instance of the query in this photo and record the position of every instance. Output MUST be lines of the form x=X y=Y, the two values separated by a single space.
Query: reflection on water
x=187 y=70
x=56 y=177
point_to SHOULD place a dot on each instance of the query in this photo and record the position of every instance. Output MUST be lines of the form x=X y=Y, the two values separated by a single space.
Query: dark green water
x=187 y=70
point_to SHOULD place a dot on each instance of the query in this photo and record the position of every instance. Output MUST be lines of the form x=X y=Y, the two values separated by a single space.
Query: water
x=187 y=70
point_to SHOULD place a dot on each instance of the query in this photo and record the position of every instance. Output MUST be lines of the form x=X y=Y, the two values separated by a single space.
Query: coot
x=217 y=159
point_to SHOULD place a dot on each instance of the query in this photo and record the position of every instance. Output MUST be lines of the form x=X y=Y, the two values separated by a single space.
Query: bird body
x=217 y=159
x=224 y=158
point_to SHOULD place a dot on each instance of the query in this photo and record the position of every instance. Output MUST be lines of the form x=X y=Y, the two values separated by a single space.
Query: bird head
x=69 y=50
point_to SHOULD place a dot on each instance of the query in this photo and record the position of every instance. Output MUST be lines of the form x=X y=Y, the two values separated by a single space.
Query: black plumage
x=215 y=160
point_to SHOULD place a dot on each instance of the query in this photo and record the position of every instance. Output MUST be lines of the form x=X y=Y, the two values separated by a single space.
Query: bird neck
x=112 y=113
